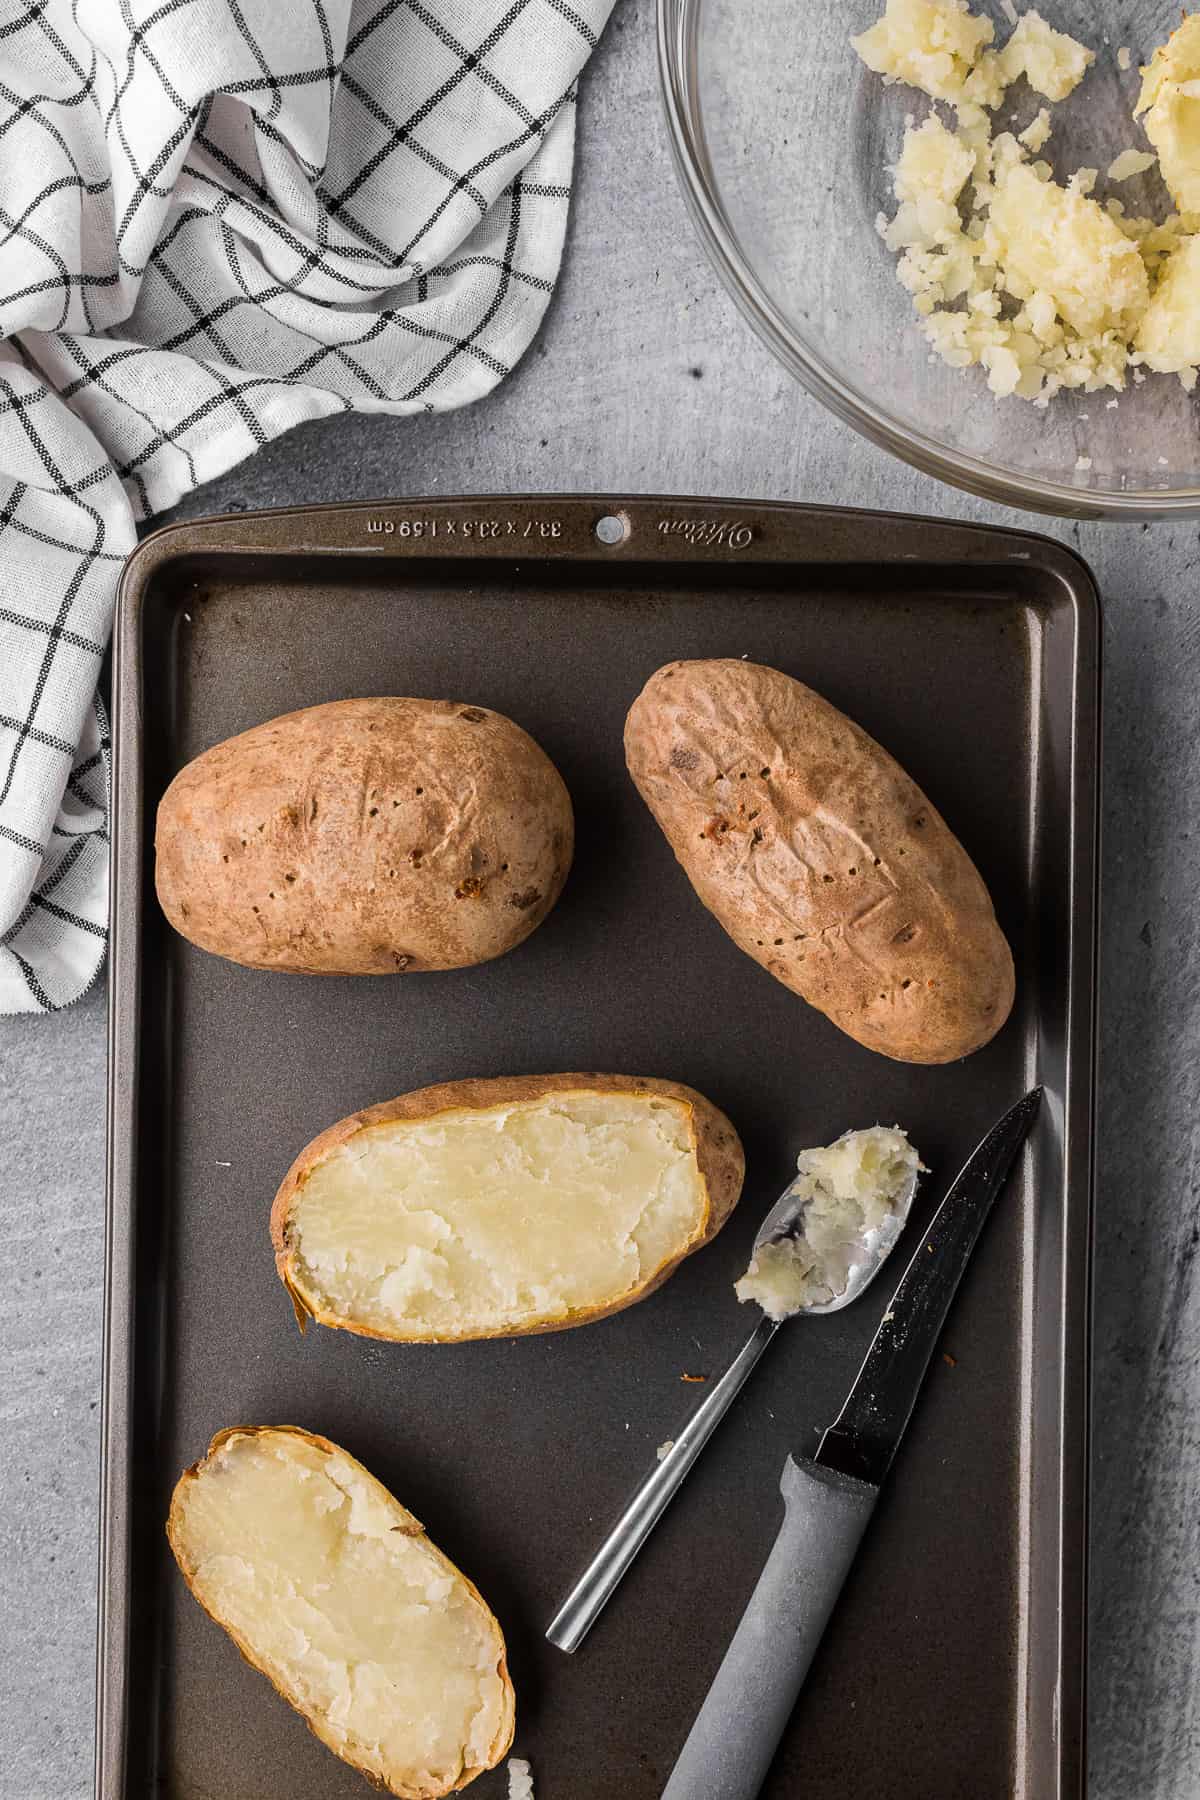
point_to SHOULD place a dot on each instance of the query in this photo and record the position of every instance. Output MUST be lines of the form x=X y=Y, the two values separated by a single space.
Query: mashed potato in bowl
x=1037 y=281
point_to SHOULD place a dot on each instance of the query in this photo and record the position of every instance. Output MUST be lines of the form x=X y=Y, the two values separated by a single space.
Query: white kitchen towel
x=219 y=218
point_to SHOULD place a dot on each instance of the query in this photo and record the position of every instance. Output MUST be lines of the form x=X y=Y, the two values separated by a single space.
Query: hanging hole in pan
x=612 y=529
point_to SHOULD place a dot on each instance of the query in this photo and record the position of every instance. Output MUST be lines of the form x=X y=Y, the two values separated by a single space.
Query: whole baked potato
x=365 y=837
x=504 y=1206
x=821 y=858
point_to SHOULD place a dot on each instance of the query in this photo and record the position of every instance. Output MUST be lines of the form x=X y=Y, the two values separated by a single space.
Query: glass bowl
x=784 y=141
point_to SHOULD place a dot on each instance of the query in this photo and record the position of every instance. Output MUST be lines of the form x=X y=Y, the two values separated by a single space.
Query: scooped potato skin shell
x=821 y=858
x=365 y=837
x=719 y=1155
x=504 y=1738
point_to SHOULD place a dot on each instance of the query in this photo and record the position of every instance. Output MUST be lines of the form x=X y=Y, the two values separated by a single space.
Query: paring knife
x=829 y=1500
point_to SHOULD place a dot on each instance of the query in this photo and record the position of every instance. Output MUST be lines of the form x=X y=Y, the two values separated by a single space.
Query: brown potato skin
x=821 y=858
x=174 y=1536
x=719 y=1155
x=365 y=837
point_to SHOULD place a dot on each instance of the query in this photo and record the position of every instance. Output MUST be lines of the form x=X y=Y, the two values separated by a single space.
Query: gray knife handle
x=734 y=1738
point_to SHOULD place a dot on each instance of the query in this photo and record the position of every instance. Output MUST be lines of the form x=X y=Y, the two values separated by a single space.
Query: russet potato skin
x=719 y=1155
x=365 y=837
x=821 y=858
x=177 y=1538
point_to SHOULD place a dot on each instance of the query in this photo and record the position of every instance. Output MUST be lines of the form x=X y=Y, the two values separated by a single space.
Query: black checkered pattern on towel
x=219 y=218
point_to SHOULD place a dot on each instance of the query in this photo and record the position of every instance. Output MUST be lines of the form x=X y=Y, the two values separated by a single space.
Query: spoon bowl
x=870 y=1251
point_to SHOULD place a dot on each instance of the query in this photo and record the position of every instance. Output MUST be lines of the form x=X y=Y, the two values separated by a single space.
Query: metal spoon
x=599 y=1581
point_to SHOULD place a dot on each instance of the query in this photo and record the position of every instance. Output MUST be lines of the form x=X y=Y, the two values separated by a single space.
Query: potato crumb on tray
x=1030 y=278
x=520 y=1779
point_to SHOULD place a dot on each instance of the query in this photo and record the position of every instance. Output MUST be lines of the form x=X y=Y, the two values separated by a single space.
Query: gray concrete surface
x=645 y=379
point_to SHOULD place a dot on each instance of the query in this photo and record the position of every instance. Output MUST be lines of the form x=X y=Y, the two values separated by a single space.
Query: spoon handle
x=599 y=1581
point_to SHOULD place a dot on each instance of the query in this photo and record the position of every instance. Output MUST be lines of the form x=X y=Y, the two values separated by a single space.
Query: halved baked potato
x=498 y=1207
x=331 y=1588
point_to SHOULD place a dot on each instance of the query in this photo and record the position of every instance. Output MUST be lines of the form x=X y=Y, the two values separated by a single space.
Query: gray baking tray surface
x=955 y=1664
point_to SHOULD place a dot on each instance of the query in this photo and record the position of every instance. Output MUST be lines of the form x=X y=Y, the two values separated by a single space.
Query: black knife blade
x=866 y=1434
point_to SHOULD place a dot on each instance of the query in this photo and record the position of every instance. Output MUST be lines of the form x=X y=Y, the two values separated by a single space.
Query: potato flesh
x=469 y=1222
x=1046 y=239
x=934 y=44
x=311 y=1564
x=1169 y=340
x=850 y=1188
x=1052 y=63
x=1170 y=101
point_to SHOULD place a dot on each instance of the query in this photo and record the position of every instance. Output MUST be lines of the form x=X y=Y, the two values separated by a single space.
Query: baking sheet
x=954 y=1666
